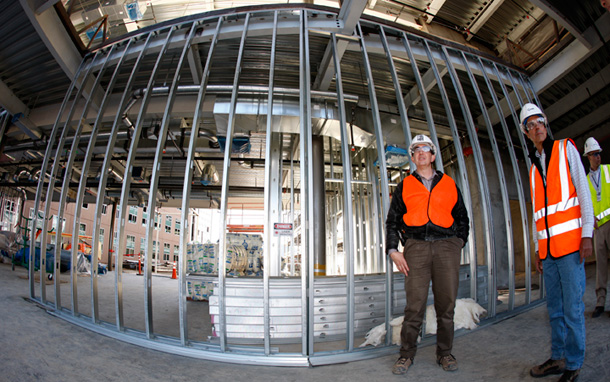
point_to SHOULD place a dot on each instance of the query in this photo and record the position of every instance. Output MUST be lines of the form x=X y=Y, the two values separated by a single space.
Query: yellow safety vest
x=601 y=205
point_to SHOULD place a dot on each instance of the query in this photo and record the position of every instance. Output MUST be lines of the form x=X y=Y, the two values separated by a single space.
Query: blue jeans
x=564 y=279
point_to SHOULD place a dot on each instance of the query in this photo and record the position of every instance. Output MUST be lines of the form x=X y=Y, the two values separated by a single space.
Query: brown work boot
x=569 y=376
x=551 y=366
x=447 y=362
x=402 y=365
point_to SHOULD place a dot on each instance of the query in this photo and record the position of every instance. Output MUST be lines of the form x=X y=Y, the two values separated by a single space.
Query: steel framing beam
x=54 y=36
x=491 y=8
x=11 y=103
x=429 y=81
x=550 y=10
x=349 y=14
x=572 y=56
x=586 y=90
x=525 y=24
x=434 y=7
x=586 y=123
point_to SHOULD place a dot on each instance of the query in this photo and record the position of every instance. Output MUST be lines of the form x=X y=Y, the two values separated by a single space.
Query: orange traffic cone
x=139 y=265
x=174 y=271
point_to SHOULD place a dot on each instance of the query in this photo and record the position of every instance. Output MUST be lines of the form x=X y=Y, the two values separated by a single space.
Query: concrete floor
x=37 y=346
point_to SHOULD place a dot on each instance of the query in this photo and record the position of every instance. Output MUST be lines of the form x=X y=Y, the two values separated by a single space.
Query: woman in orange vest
x=563 y=227
x=428 y=217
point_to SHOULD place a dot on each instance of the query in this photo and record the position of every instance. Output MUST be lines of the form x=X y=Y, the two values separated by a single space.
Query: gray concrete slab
x=37 y=346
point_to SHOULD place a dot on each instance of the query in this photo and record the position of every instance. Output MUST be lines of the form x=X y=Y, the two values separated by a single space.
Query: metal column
x=319 y=202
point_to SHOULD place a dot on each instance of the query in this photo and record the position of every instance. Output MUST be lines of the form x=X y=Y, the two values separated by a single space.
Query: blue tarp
x=22 y=257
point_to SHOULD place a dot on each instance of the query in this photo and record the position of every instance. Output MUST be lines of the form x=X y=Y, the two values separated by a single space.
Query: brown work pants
x=601 y=238
x=437 y=261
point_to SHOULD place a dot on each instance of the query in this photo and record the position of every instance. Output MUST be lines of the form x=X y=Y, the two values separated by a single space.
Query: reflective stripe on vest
x=556 y=208
x=558 y=229
x=601 y=208
x=424 y=206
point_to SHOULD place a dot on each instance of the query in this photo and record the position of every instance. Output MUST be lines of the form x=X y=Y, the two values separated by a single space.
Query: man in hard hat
x=563 y=227
x=599 y=185
x=428 y=217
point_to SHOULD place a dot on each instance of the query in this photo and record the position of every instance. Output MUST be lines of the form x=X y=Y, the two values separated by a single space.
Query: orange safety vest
x=424 y=206
x=556 y=207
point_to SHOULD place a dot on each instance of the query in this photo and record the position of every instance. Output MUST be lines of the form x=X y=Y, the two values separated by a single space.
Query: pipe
x=24 y=198
x=103 y=137
x=228 y=89
x=20 y=172
x=111 y=171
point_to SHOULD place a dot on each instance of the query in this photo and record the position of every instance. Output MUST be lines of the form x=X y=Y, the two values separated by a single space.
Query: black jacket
x=397 y=231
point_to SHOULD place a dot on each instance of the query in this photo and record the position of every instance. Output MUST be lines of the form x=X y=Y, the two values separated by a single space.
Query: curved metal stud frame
x=463 y=179
x=502 y=178
x=373 y=69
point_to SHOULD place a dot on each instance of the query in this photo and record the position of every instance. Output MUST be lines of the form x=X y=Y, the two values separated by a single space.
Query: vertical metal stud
x=376 y=222
x=483 y=186
x=383 y=172
x=43 y=171
x=268 y=224
x=83 y=178
x=188 y=178
x=522 y=140
x=356 y=255
x=125 y=190
x=424 y=98
x=222 y=245
x=463 y=174
x=529 y=165
x=348 y=210
x=102 y=186
x=402 y=109
x=516 y=172
x=503 y=190
x=307 y=239
x=154 y=180
x=52 y=176
x=66 y=184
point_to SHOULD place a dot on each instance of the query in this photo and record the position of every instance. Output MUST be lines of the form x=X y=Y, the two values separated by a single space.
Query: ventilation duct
x=209 y=175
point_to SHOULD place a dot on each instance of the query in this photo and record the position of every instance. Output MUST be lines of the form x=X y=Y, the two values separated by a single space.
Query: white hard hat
x=419 y=140
x=527 y=111
x=591 y=145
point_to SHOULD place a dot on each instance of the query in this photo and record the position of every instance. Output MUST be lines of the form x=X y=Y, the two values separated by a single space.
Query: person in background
x=599 y=185
x=563 y=227
x=428 y=217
